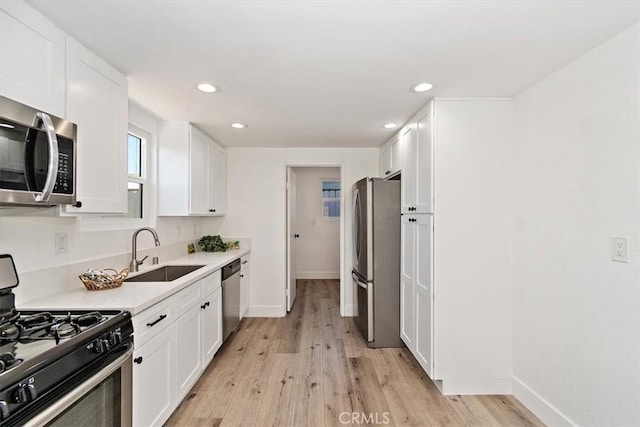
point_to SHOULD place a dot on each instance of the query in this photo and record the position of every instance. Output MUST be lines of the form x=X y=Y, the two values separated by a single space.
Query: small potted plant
x=212 y=244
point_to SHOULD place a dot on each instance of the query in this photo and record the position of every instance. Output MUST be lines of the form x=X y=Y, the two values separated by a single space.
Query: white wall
x=576 y=312
x=318 y=248
x=30 y=239
x=256 y=209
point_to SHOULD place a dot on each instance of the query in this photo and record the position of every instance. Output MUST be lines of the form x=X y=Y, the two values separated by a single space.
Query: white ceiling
x=329 y=73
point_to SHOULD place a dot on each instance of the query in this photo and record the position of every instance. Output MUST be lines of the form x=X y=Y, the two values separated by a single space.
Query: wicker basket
x=109 y=279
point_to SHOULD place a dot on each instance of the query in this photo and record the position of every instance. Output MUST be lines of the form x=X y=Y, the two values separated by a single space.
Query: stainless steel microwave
x=37 y=157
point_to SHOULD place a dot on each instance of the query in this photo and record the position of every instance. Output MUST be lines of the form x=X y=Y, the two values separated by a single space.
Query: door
x=360 y=228
x=199 y=174
x=424 y=292
x=211 y=312
x=97 y=102
x=407 y=266
x=409 y=179
x=154 y=380
x=424 y=164
x=189 y=365
x=291 y=238
x=32 y=48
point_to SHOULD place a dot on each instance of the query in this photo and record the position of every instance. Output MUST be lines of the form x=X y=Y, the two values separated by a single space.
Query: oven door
x=102 y=400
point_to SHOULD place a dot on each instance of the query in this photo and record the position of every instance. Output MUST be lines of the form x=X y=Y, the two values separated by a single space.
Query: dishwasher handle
x=230 y=269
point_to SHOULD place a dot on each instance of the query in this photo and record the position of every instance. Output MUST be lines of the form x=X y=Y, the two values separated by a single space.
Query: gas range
x=46 y=355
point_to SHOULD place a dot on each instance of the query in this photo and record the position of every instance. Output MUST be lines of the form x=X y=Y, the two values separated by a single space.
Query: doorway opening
x=314 y=227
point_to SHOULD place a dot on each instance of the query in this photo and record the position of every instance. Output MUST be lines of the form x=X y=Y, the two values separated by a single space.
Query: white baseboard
x=542 y=409
x=349 y=310
x=475 y=386
x=264 y=311
x=318 y=275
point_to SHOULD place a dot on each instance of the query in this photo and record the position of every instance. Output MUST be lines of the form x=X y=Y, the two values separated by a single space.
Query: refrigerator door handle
x=370 y=334
x=358 y=281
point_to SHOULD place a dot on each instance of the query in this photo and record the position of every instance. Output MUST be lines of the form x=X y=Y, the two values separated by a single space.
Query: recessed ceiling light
x=208 y=88
x=390 y=126
x=238 y=125
x=421 y=87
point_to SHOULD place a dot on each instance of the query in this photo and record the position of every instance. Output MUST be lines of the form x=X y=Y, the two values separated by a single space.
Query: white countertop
x=136 y=296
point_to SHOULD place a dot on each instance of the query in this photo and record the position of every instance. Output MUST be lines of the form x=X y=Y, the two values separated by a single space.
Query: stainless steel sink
x=168 y=273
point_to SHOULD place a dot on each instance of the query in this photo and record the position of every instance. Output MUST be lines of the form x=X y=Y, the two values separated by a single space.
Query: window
x=136 y=159
x=330 y=198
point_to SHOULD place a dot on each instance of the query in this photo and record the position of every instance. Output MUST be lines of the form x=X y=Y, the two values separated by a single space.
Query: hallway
x=314 y=368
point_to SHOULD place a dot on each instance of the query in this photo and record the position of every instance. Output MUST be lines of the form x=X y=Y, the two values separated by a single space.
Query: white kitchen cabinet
x=191 y=172
x=199 y=329
x=97 y=101
x=423 y=288
x=244 y=285
x=154 y=379
x=211 y=315
x=384 y=161
x=189 y=362
x=32 y=64
x=407 y=281
x=417 y=170
x=391 y=157
x=455 y=291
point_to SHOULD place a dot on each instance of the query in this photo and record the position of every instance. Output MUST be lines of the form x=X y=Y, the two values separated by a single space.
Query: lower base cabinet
x=211 y=325
x=168 y=364
x=154 y=379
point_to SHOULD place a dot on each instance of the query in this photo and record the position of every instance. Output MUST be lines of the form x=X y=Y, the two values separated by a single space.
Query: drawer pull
x=138 y=360
x=159 y=319
x=245 y=261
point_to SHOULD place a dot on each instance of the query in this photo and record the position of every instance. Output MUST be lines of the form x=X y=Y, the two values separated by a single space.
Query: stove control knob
x=116 y=338
x=25 y=393
x=4 y=410
x=102 y=346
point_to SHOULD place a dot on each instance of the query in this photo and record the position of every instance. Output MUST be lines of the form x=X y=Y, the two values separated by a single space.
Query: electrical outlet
x=620 y=249
x=60 y=243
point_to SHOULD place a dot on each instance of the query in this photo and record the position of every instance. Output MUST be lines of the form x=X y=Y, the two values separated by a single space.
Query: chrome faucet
x=133 y=265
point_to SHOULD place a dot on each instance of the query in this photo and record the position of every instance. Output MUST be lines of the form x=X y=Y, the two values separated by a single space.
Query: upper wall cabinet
x=391 y=157
x=32 y=58
x=417 y=169
x=191 y=172
x=97 y=103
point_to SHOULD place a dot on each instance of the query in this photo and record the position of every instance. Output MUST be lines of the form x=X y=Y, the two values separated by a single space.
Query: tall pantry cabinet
x=456 y=243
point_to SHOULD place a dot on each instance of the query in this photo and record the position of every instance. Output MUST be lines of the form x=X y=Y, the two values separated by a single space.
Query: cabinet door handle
x=297 y=236
x=138 y=360
x=212 y=210
x=242 y=275
x=158 y=320
x=387 y=172
x=203 y=306
x=245 y=261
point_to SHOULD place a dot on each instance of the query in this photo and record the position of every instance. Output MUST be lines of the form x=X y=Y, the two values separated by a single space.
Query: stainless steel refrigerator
x=376 y=260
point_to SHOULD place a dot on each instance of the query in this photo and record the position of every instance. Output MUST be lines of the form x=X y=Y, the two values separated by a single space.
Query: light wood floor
x=314 y=368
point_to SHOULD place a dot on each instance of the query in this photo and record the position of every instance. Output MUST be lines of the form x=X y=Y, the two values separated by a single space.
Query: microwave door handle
x=52 y=171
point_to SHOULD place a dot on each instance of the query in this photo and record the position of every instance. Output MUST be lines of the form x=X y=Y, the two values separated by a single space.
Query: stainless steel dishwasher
x=230 y=297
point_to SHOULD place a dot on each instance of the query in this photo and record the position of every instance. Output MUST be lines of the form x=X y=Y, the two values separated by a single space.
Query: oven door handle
x=61 y=405
x=52 y=171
